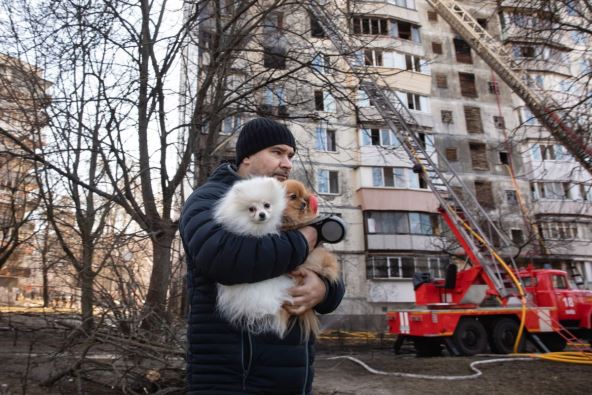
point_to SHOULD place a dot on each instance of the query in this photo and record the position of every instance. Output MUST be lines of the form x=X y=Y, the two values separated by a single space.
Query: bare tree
x=115 y=133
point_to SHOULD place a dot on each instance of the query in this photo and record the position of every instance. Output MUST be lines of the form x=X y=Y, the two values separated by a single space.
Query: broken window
x=437 y=48
x=319 y=104
x=479 y=156
x=498 y=122
x=432 y=16
x=324 y=101
x=316 y=30
x=467 y=84
x=493 y=87
x=441 y=81
x=382 y=137
x=405 y=31
x=517 y=236
x=451 y=154
x=447 y=116
x=484 y=194
x=511 y=197
x=462 y=51
x=527 y=52
x=274 y=58
x=473 y=119
x=413 y=102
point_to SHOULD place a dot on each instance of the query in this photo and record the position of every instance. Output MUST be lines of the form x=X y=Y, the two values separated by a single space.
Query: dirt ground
x=31 y=351
x=344 y=377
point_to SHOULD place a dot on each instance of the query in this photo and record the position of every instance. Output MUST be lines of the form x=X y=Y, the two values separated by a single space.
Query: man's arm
x=228 y=258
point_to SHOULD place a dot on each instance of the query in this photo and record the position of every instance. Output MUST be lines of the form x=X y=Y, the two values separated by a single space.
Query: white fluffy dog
x=254 y=207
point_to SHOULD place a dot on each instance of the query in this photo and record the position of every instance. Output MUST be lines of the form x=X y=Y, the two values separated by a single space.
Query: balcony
x=562 y=207
x=405 y=80
x=384 y=242
x=568 y=247
x=397 y=199
x=382 y=8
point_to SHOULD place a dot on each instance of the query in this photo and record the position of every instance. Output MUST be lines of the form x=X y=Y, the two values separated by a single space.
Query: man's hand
x=309 y=292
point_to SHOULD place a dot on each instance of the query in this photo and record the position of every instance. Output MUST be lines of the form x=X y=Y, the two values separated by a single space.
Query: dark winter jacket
x=223 y=359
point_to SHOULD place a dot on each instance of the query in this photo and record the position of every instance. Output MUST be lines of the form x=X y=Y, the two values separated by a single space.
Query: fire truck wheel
x=553 y=341
x=470 y=337
x=428 y=347
x=503 y=336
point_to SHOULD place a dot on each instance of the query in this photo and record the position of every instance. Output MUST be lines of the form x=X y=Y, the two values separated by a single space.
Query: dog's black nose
x=262 y=216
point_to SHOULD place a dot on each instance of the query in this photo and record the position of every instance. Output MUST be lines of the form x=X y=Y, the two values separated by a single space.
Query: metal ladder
x=544 y=107
x=576 y=275
x=402 y=122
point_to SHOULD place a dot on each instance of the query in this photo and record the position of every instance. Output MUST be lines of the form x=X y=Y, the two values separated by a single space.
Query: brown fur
x=321 y=261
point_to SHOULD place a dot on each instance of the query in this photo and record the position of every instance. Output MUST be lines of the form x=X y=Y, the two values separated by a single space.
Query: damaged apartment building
x=528 y=183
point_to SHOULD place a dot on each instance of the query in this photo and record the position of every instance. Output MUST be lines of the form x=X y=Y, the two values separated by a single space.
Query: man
x=223 y=359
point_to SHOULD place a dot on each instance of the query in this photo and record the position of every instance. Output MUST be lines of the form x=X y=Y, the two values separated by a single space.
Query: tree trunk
x=86 y=291
x=156 y=298
x=45 y=289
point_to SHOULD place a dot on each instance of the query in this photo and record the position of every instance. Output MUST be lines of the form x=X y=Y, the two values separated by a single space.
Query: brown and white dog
x=253 y=207
x=301 y=208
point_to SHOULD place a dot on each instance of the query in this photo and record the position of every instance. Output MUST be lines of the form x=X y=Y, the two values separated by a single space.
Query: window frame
x=331 y=180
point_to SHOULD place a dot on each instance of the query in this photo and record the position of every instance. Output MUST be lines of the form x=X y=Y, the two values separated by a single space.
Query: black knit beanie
x=259 y=134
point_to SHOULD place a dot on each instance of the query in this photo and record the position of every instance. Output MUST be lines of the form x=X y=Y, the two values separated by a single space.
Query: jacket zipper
x=246 y=355
x=305 y=367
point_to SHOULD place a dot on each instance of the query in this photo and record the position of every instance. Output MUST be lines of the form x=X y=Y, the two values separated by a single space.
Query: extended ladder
x=466 y=213
x=544 y=107
x=576 y=276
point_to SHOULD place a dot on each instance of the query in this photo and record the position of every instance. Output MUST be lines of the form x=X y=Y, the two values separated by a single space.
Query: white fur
x=232 y=211
x=256 y=306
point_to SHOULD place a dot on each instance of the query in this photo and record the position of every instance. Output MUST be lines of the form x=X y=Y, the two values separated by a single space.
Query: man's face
x=274 y=161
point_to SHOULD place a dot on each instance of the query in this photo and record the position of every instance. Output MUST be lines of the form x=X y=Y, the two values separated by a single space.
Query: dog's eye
x=267 y=205
x=252 y=209
x=293 y=196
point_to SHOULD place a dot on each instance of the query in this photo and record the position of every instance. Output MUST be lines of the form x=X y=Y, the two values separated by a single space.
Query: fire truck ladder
x=576 y=276
x=499 y=58
x=466 y=214
x=543 y=106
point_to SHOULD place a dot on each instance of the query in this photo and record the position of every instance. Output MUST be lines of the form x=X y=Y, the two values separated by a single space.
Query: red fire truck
x=467 y=315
